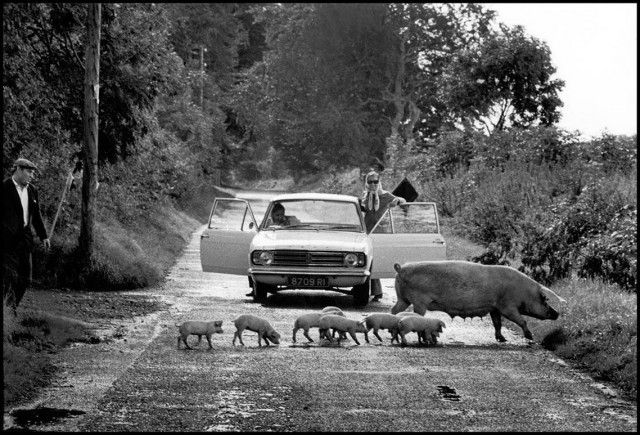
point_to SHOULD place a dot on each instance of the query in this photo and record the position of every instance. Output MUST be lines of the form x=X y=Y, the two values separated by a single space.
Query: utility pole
x=90 y=124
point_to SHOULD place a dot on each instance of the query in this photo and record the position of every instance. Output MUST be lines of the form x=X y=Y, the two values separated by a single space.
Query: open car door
x=406 y=232
x=224 y=244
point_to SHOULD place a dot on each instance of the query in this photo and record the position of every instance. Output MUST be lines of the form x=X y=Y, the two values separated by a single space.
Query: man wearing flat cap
x=20 y=214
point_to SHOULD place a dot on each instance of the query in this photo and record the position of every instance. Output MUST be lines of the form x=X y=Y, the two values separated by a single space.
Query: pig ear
x=218 y=323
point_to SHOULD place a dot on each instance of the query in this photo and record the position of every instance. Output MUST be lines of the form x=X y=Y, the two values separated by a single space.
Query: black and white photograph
x=381 y=217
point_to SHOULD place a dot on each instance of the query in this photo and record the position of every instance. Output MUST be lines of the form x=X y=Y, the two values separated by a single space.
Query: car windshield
x=308 y=214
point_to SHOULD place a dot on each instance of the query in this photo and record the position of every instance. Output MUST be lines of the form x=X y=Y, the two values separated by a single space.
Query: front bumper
x=337 y=277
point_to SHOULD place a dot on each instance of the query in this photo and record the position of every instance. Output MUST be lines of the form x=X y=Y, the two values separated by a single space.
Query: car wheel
x=260 y=291
x=361 y=293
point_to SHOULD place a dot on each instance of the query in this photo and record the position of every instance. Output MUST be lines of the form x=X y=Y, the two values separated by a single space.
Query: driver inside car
x=279 y=218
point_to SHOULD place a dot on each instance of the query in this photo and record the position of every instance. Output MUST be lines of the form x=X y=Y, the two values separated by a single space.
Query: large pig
x=465 y=289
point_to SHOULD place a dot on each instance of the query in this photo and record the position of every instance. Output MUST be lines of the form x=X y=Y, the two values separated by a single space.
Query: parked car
x=325 y=247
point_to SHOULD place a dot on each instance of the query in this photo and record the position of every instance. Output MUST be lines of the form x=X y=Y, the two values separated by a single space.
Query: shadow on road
x=316 y=300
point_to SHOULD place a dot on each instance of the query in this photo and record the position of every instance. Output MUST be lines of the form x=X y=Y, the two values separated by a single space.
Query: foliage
x=342 y=77
x=186 y=142
x=136 y=66
x=540 y=197
x=610 y=154
x=595 y=235
x=313 y=123
x=31 y=106
x=221 y=29
x=504 y=81
x=613 y=255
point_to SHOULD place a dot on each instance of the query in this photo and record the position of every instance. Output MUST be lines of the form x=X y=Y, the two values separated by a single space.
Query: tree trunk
x=90 y=123
x=394 y=141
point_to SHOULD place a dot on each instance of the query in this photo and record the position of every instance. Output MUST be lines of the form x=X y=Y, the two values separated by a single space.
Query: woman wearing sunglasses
x=374 y=203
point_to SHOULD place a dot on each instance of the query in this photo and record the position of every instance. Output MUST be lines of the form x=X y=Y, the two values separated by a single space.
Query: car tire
x=361 y=293
x=260 y=291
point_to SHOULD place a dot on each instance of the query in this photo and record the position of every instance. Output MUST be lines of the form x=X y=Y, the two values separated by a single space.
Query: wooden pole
x=67 y=184
x=90 y=123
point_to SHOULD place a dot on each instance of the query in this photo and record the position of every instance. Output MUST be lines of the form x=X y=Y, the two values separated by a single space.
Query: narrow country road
x=468 y=382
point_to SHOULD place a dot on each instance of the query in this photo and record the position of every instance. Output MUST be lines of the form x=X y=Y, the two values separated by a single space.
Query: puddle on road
x=39 y=416
x=448 y=393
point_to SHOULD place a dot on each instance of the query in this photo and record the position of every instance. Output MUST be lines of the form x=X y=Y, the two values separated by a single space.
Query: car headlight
x=354 y=259
x=264 y=258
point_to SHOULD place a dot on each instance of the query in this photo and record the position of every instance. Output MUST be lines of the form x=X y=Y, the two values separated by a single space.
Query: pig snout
x=274 y=337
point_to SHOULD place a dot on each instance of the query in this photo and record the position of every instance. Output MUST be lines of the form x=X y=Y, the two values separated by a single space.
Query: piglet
x=377 y=321
x=255 y=324
x=330 y=309
x=342 y=324
x=428 y=329
x=199 y=329
x=304 y=322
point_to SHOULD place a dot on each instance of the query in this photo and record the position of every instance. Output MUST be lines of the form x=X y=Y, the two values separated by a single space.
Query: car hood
x=311 y=240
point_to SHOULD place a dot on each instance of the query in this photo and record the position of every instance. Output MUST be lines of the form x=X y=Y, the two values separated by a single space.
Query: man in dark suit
x=20 y=213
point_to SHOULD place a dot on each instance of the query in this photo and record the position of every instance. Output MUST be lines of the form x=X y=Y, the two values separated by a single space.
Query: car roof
x=314 y=196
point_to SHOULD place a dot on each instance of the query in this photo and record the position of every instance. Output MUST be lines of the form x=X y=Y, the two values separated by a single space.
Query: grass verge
x=28 y=341
x=597 y=329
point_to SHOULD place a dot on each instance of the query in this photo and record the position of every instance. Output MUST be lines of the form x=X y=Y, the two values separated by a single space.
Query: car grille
x=306 y=258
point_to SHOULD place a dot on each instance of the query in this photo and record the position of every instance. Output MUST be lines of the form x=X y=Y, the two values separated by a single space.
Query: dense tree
x=213 y=27
x=343 y=77
x=504 y=81
x=32 y=121
x=315 y=86
x=47 y=40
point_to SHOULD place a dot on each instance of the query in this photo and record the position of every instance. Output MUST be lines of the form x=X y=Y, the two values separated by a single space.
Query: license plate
x=308 y=281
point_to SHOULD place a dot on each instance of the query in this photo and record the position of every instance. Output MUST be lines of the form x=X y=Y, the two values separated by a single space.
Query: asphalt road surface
x=467 y=382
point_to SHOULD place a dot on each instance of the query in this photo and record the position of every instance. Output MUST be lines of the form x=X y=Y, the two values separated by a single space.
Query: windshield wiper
x=343 y=227
x=300 y=226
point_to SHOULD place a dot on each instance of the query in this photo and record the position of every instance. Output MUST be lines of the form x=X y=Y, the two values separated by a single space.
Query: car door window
x=230 y=214
x=414 y=219
x=415 y=236
x=224 y=244
x=384 y=224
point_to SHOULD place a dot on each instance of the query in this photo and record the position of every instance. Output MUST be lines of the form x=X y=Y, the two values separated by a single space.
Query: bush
x=452 y=193
x=544 y=199
x=595 y=235
x=613 y=255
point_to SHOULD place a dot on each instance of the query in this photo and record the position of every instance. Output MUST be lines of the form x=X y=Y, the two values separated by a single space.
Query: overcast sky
x=594 y=49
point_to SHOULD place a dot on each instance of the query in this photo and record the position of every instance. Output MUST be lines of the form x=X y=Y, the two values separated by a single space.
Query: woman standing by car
x=374 y=203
